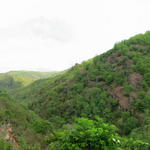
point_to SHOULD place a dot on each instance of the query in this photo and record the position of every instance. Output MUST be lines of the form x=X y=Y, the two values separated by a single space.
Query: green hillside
x=17 y=79
x=32 y=74
x=114 y=86
x=27 y=128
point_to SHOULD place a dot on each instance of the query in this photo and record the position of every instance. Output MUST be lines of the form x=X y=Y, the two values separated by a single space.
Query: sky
x=46 y=35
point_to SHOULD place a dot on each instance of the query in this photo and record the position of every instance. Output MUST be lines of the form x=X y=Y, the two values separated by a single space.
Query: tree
x=130 y=124
x=86 y=134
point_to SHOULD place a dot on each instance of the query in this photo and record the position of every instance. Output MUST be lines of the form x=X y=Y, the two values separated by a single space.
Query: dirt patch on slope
x=136 y=79
x=134 y=95
x=140 y=46
x=123 y=100
x=129 y=63
x=113 y=58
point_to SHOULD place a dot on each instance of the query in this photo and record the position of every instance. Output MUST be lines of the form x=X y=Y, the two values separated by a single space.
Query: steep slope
x=17 y=79
x=114 y=85
x=19 y=125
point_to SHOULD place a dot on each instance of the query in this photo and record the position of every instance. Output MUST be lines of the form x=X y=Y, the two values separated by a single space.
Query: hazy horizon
x=34 y=70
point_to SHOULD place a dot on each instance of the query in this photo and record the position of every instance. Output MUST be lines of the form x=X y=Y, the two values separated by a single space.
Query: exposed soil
x=134 y=95
x=129 y=63
x=135 y=79
x=140 y=46
x=123 y=100
x=114 y=58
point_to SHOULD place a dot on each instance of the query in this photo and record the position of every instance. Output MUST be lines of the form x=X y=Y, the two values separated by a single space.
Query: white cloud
x=45 y=28
x=40 y=27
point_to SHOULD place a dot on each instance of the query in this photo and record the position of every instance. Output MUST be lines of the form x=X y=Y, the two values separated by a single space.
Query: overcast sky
x=55 y=34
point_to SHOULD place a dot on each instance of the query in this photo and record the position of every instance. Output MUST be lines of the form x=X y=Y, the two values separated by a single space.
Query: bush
x=130 y=124
x=86 y=134
x=5 y=145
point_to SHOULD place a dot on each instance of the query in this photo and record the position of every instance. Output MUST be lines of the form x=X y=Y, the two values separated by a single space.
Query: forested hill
x=22 y=127
x=114 y=86
x=16 y=79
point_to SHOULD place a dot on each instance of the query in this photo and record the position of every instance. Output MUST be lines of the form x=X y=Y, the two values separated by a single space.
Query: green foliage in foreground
x=88 y=134
x=85 y=134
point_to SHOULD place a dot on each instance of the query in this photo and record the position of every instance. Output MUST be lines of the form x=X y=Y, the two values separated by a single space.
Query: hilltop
x=16 y=79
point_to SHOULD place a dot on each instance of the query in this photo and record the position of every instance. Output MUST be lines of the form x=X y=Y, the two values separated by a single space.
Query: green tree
x=130 y=124
x=86 y=134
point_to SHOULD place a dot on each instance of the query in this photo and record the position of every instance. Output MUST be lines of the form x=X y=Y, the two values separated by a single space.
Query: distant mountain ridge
x=17 y=79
